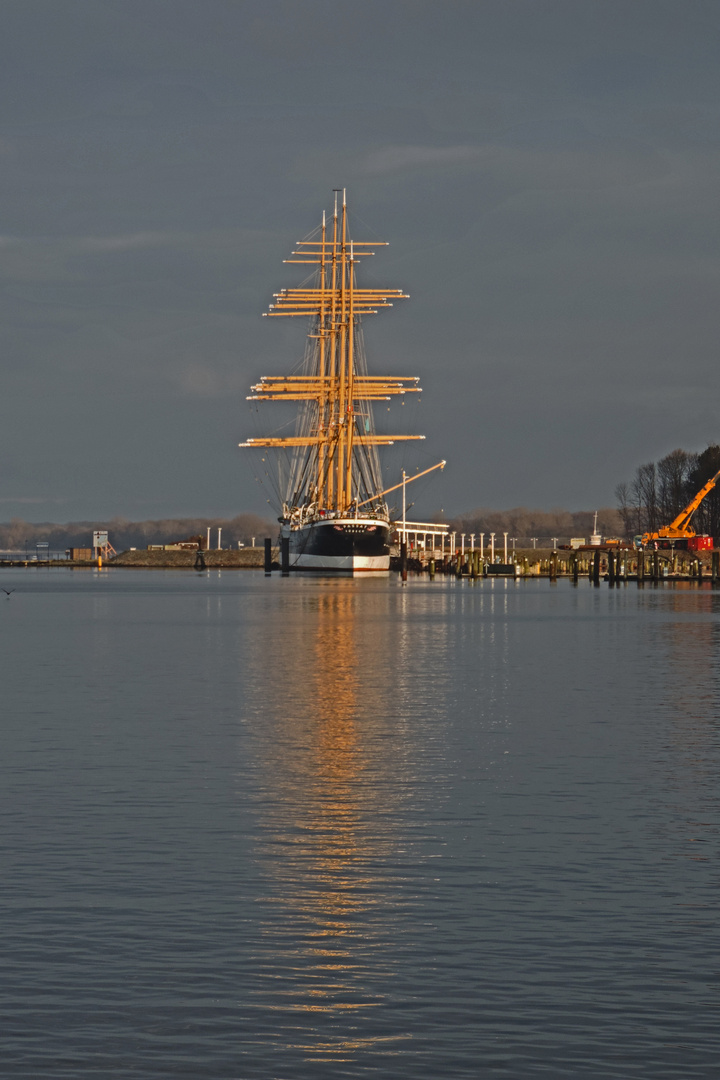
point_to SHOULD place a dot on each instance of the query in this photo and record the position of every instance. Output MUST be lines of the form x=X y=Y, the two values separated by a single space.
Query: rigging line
x=364 y=483
x=354 y=216
x=273 y=482
x=307 y=280
x=274 y=431
x=316 y=231
x=300 y=483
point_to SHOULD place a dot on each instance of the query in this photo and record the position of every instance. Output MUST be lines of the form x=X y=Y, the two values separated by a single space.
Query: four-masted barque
x=334 y=511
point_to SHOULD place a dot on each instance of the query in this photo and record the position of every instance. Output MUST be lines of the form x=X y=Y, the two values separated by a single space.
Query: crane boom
x=680 y=527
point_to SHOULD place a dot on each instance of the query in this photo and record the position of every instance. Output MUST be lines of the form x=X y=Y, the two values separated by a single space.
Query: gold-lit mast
x=336 y=380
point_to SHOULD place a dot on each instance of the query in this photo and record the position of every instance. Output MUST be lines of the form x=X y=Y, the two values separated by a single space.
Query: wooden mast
x=335 y=304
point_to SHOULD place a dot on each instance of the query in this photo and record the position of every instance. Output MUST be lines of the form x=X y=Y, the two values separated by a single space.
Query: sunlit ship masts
x=335 y=467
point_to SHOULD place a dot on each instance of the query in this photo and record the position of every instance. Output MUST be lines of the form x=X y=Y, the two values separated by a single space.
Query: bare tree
x=672 y=484
x=626 y=510
x=644 y=492
x=707 y=516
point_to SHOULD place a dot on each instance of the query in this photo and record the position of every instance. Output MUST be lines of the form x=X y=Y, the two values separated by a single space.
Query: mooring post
x=552 y=566
x=575 y=568
x=596 y=568
x=611 y=567
x=268 y=556
x=699 y=569
x=431 y=568
x=715 y=567
x=403 y=560
x=285 y=556
x=655 y=566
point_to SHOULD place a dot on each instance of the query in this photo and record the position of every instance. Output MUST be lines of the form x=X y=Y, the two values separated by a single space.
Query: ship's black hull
x=341 y=544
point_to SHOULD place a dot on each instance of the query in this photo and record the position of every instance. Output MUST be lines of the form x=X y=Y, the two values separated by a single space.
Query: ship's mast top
x=335 y=426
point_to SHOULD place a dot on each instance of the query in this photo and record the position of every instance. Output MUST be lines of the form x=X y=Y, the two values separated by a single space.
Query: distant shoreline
x=248 y=558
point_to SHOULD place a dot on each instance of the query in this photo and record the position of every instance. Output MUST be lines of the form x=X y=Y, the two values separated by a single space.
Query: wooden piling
x=285 y=556
x=403 y=560
x=715 y=567
x=596 y=568
x=268 y=556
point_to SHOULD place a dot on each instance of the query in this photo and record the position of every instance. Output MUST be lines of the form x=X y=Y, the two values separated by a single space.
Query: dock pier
x=614 y=564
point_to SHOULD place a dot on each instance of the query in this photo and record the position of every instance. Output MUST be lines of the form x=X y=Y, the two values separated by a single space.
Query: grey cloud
x=398 y=158
x=545 y=174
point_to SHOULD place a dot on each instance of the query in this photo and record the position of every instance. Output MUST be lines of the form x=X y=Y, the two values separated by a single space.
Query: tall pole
x=403 y=544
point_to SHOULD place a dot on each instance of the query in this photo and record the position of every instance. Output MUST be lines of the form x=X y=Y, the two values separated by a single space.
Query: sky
x=545 y=171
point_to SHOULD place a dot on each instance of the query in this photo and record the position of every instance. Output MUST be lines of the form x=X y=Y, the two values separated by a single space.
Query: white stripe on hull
x=347 y=563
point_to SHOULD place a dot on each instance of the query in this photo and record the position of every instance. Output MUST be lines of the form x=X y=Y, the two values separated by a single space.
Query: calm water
x=321 y=829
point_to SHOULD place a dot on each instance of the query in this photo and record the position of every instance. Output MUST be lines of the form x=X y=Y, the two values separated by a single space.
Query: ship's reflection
x=327 y=830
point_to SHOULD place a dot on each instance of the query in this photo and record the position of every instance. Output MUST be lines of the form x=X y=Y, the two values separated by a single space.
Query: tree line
x=660 y=490
x=656 y=494
x=123 y=534
x=525 y=523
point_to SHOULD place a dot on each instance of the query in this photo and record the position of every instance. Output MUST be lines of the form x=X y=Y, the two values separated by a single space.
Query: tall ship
x=334 y=512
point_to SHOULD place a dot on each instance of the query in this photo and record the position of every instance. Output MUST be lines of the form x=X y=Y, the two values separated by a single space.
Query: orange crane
x=680 y=528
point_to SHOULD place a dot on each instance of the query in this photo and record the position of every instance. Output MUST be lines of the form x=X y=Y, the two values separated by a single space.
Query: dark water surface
x=321 y=829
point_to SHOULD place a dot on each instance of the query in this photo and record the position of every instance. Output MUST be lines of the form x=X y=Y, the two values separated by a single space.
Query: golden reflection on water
x=325 y=821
